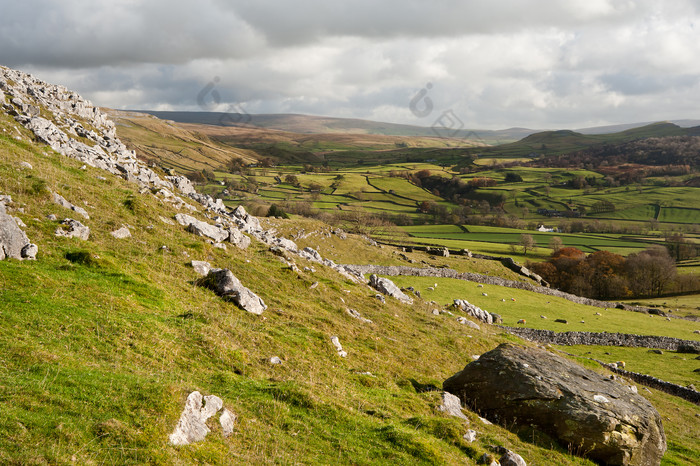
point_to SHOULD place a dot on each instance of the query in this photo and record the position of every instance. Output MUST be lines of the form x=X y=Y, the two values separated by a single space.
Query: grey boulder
x=13 y=241
x=387 y=287
x=226 y=285
x=192 y=426
x=592 y=415
x=71 y=228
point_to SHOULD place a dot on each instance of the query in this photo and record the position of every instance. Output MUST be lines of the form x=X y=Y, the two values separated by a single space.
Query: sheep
x=522 y=321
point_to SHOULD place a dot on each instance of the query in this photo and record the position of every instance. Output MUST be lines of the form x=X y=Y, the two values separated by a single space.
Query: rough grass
x=98 y=353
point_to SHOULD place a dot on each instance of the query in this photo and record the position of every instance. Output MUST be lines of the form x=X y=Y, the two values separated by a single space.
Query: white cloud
x=500 y=63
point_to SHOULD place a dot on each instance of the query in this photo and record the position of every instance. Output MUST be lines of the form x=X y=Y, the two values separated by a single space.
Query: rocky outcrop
x=13 y=241
x=201 y=228
x=192 y=426
x=225 y=284
x=387 y=287
x=524 y=271
x=474 y=311
x=71 y=228
x=588 y=413
x=60 y=200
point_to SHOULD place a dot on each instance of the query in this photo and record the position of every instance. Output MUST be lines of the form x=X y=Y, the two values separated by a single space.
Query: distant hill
x=623 y=127
x=567 y=141
x=319 y=124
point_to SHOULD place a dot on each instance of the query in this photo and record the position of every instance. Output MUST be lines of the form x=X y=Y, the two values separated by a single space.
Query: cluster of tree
x=605 y=275
x=677 y=151
x=456 y=190
x=201 y=176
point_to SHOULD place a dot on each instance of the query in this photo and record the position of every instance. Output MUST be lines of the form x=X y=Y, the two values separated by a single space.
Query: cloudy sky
x=493 y=63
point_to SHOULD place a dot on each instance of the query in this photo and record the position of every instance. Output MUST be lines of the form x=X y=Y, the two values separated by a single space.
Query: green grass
x=102 y=340
x=530 y=306
x=670 y=366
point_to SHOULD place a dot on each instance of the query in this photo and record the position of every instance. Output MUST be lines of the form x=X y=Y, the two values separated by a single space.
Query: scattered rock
x=386 y=286
x=473 y=311
x=468 y=323
x=515 y=385
x=470 y=436
x=275 y=360
x=121 y=233
x=313 y=285
x=13 y=241
x=238 y=239
x=192 y=425
x=225 y=284
x=357 y=316
x=60 y=200
x=512 y=459
x=452 y=406
x=73 y=229
x=201 y=267
x=655 y=351
x=26 y=165
x=336 y=342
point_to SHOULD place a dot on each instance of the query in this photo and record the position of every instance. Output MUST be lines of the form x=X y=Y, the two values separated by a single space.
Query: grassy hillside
x=102 y=340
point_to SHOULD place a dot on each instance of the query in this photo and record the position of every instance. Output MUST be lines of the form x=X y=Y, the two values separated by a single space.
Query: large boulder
x=387 y=287
x=588 y=413
x=225 y=284
x=13 y=242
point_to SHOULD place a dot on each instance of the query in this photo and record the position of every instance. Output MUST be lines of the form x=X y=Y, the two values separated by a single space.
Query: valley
x=103 y=338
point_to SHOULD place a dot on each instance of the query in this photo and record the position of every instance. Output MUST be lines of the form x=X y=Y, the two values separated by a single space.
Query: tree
x=650 y=271
x=555 y=243
x=292 y=179
x=527 y=242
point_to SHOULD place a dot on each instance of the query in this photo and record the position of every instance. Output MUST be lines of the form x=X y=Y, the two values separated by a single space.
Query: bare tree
x=527 y=242
x=555 y=243
x=650 y=271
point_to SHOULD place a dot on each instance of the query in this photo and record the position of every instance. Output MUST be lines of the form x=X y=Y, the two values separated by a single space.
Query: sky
x=491 y=64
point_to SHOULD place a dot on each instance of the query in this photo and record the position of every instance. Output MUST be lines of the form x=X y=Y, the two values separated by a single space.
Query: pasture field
x=507 y=236
x=670 y=366
x=514 y=304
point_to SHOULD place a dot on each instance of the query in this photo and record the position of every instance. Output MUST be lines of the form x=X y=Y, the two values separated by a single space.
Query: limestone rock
x=238 y=239
x=60 y=200
x=225 y=284
x=386 y=286
x=121 y=233
x=470 y=436
x=336 y=342
x=511 y=458
x=591 y=414
x=200 y=228
x=13 y=241
x=473 y=311
x=192 y=425
x=201 y=267
x=452 y=406
x=30 y=251
x=227 y=421
x=357 y=316
x=73 y=229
